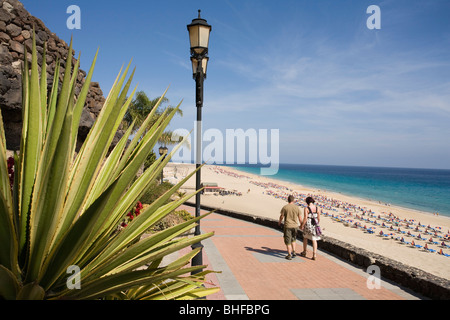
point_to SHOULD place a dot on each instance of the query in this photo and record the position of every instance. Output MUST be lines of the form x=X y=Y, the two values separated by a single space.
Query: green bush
x=172 y=219
x=185 y=215
x=155 y=191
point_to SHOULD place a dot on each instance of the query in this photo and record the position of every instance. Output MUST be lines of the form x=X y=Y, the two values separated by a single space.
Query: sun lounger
x=416 y=245
x=403 y=242
x=443 y=254
x=428 y=249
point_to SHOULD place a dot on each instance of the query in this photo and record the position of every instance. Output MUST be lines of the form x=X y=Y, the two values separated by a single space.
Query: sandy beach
x=349 y=219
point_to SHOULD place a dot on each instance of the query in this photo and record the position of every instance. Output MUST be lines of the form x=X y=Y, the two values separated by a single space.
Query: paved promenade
x=252 y=260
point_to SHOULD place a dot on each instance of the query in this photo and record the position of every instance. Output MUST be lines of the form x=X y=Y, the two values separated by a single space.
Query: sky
x=339 y=92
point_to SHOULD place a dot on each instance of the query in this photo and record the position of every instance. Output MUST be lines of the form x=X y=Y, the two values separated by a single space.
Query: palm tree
x=140 y=108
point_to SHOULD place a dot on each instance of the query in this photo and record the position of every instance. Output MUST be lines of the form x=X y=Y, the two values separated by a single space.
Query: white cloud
x=360 y=98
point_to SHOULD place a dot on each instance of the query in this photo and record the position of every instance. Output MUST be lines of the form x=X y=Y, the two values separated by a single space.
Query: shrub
x=64 y=208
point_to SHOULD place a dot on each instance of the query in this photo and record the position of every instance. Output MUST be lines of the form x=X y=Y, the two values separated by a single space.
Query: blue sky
x=339 y=92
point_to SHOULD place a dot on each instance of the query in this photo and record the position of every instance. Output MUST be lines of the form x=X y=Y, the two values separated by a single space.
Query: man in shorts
x=290 y=213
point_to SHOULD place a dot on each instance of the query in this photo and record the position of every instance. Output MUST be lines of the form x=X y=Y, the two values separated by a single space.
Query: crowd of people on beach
x=220 y=170
x=425 y=237
x=428 y=238
x=229 y=193
x=267 y=185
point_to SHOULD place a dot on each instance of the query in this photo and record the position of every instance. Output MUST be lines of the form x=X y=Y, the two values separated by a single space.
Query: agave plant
x=59 y=235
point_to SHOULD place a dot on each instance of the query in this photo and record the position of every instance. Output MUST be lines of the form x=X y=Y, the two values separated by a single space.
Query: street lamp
x=199 y=31
x=162 y=151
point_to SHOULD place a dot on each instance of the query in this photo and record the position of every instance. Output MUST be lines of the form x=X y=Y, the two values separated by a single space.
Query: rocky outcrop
x=16 y=30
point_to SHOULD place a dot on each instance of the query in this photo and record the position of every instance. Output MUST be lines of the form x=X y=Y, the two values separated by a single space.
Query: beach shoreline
x=264 y=196
x=361 y=198
x=393 y=203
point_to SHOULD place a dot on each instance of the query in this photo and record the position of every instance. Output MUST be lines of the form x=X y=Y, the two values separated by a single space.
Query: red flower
x=10 y=162
x=132 y=214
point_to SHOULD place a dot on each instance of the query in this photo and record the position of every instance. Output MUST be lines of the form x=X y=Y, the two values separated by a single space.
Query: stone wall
x=419 y=281
x=16 y=29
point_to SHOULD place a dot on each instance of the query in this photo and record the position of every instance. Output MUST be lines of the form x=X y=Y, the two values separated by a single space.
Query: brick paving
x=252 y=260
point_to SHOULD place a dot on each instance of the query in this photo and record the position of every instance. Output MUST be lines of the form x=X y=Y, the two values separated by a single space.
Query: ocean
x=419 y=189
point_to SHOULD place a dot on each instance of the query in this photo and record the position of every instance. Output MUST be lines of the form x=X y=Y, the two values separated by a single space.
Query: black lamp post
x=162 y=152
x=199 y=31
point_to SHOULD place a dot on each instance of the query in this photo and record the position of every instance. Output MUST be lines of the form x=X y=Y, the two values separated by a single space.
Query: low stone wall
x=412 y=278
x=16 y=31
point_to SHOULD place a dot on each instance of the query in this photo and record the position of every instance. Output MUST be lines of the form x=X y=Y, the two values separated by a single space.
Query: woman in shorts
x=311 y=218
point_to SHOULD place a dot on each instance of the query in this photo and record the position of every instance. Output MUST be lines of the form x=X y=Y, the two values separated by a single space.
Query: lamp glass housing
x=199 y=31
x=163 y=151
x=195 y=65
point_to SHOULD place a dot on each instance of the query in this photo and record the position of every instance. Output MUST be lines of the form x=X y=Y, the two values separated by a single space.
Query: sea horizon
x=419 y=189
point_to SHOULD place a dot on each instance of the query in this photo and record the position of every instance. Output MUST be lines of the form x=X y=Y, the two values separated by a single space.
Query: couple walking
x=291 y=214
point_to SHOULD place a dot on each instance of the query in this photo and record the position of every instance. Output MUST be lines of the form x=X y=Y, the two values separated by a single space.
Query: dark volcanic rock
x=16 y=29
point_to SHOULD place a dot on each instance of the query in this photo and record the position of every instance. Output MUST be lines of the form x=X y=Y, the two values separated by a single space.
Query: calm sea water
x=421 y=189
